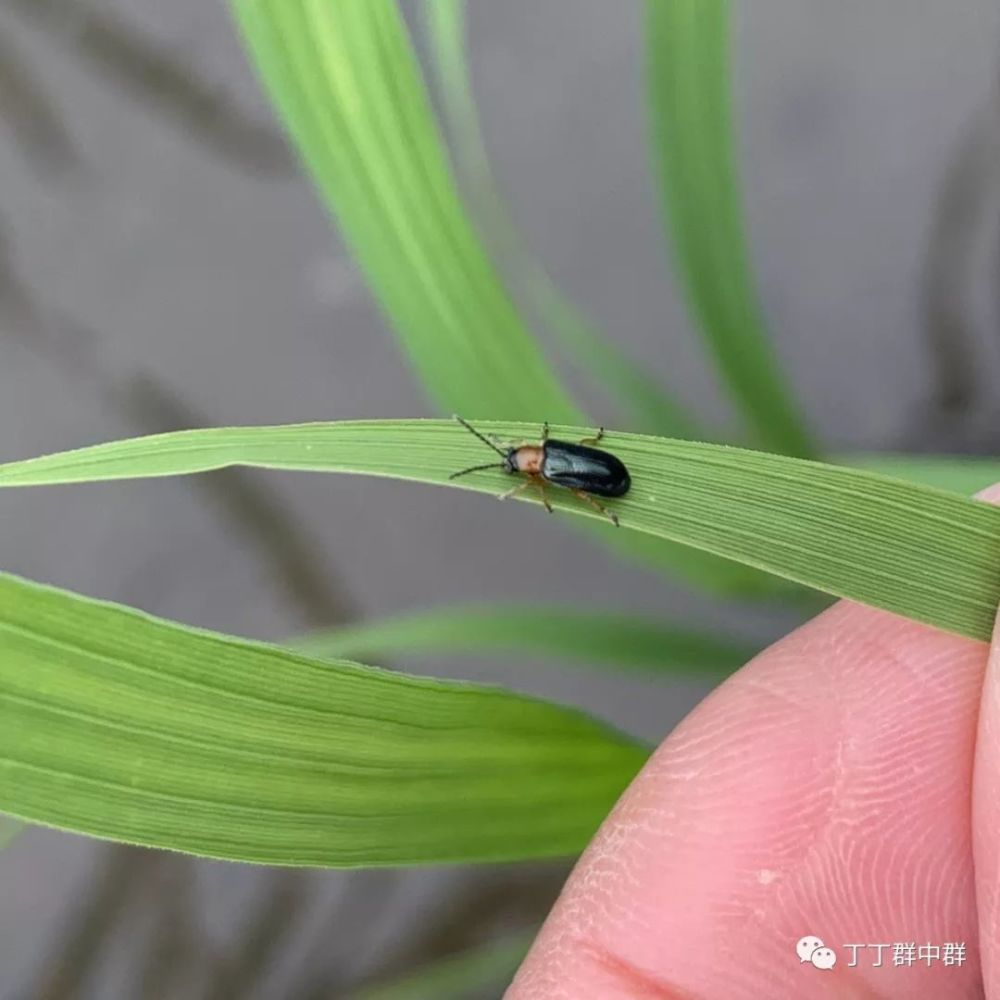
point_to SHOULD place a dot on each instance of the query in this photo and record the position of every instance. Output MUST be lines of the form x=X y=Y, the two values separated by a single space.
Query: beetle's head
x=511 y=460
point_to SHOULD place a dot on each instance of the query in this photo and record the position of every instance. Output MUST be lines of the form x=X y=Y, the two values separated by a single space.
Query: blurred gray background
x=163 y=263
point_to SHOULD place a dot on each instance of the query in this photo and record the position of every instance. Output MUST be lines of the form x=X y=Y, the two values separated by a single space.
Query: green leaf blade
x=694 y=161
x=460 y=976
x=625 y=641
x=119 y=725
x=649 y=407
x=924 y=553
x=346 y=81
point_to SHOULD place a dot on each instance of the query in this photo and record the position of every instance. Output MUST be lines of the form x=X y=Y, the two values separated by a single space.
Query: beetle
x=583 y=470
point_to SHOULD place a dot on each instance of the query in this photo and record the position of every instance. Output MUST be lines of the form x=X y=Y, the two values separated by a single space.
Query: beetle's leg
x=540 y=483
x=597 y=437
x=545 y=432
x=587 y=498
x=520 y=488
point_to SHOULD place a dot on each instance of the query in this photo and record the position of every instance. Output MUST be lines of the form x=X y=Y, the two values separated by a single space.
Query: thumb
x=986 y=812
x=822 y=790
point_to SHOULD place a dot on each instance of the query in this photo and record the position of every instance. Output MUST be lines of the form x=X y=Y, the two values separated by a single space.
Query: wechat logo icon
x=811 y=949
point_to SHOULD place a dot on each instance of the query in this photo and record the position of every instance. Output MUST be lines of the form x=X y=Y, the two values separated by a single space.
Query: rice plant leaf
x=688 y=77
x=345 y=80
x=123 y=726
x=571 y=634
x=457 y=977
x=957 y=473
x=645 y=403
x=924 y=553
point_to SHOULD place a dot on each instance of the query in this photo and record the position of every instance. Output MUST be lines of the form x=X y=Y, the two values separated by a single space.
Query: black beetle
x=578 y=467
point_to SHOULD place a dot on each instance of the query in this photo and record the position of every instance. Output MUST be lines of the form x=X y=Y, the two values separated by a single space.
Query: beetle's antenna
x=476 y=468
x=486 y=441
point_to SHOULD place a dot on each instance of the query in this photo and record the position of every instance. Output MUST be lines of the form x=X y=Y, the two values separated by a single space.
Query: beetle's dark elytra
x=578 y=466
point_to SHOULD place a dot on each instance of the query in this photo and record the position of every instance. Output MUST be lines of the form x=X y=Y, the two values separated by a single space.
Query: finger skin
x=824 y=789
x=986 y=823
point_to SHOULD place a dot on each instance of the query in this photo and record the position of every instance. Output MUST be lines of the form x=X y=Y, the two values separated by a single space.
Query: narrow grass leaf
x=642 y=399
x=347 y=84
x=957 y=473
x=469 y=974
x=689 y=102
x=123 y=726
x=571 y=634
x=928 y=554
